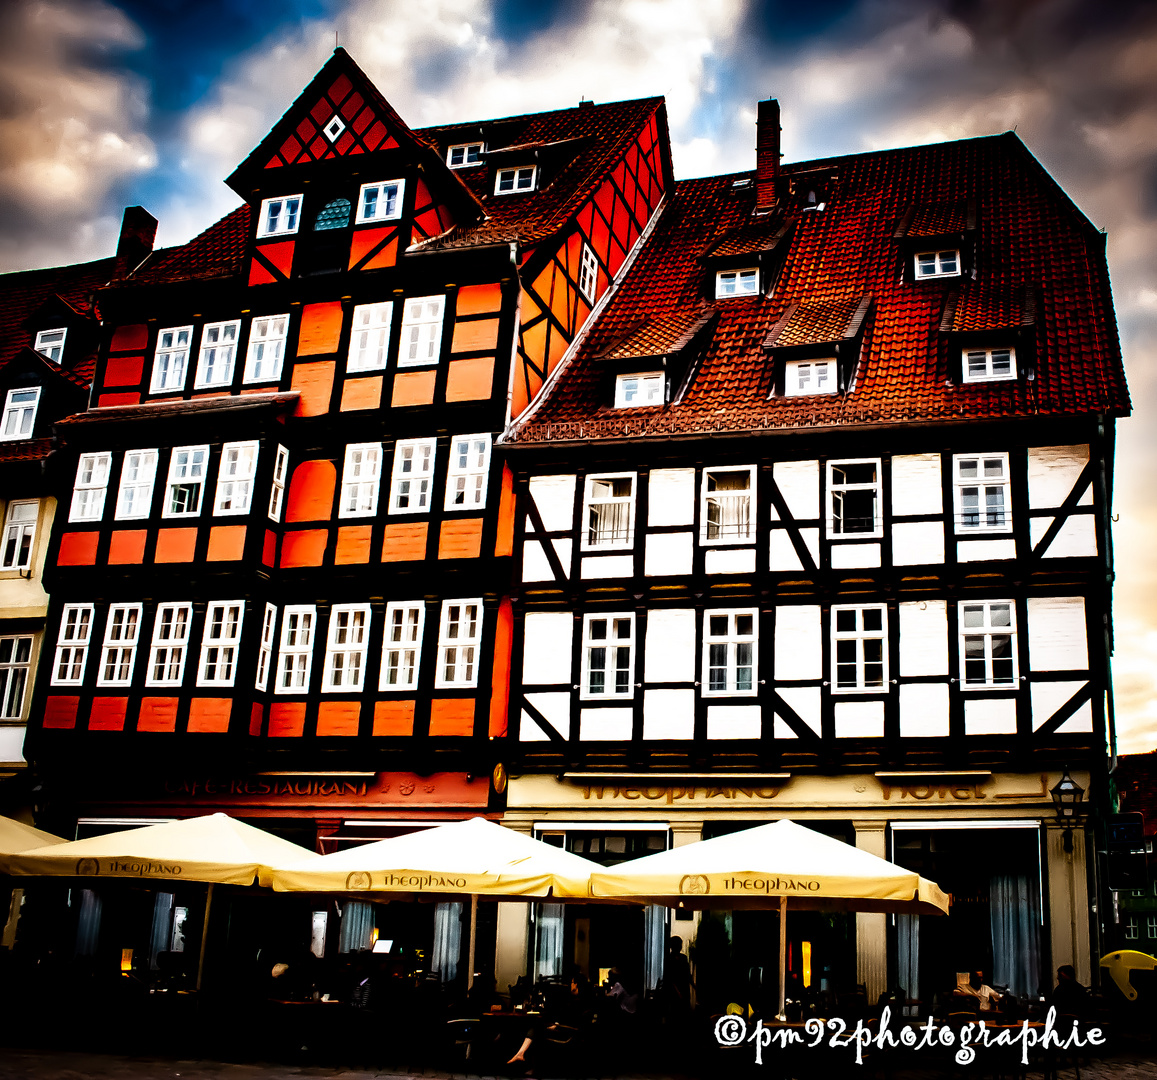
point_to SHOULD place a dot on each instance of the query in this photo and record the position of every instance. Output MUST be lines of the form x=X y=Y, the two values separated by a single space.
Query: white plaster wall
x=923 y=637
x=1057 y=635
x=535 y=566
x=782 y=554
x=805 y=701
x=608 y=566
x=668 y=714
x=798 y=643
x=671 y=497
x=733 y=722
x=983 y=550
x=12 y=744
x=923 y=710
x=916 y=485
x=859 y=719
x=853 y=556
x=1052 y=472
x=554 y=497
x=605 y=725
x=669 y=653
x=555 y=708
x=989 y=716
x=917 y=543
x=729 y=561
x=799 y=483
x=546 y=648
x=667 y=554
x=1047 y=697
x=1076 y=539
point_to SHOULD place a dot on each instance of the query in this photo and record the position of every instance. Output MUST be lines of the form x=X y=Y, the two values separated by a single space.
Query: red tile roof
x=658 y=336
x=816 y=322
x=1029 y=235
x=26 y=450
x=218 y=252
x=977 y=308
x=154 y=410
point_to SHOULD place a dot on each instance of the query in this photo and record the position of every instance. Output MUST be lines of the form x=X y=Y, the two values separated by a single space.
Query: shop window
x=608 y=656
x=988 y=644
x=636 y=391
x=219 y=643
x=806 y=377
x=170 y=645
x=265 y=647
x=89 y=489
x=72 y=644
x=15 y=664
x=402 y=648
x=989 y=365
x=119 y=654
x=277 y=491
x=218 y=353
x=235 y=479
x=983 y=493
x=412 y=476
x=138 y=475
x=421 y=340
x=736 y=283
x=609 y=511
x=345 y=654
x=19 y=533
x=186 y=481
x=729 y=652
x=467 y=472
x=727 y=505
x=458 y=643
x=854 y=498
x=266 y=353
x=19 y=414
x=930 y=264
x=279 y=217
x=50 y=343
x=360 y=480
x=370 y=337
x=381 y=201
x=295 y=659
x=859 y=648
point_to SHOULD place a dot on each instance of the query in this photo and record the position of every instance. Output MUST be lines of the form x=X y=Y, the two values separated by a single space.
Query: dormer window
x=334 y=129
x=634 y=391
x=989 y=365
x=19 y=413
x=380 y=202
x=465 y=155
x=930 y=264
x=50 y=343
x=508 y=181
x=279 y=217
x=736 y=283
x=805 y=377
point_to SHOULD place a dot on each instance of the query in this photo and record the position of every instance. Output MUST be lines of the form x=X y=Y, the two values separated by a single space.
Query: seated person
x=974 y=985
x=1068 y=996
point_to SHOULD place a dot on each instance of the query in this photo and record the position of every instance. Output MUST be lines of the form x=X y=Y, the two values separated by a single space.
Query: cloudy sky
x=105 y=103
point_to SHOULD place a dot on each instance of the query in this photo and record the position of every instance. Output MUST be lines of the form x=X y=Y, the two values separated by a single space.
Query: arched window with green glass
x=334 y=215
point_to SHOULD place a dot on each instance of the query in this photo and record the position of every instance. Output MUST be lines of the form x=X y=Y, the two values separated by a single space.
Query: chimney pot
x=766 y=153
x=138 y=231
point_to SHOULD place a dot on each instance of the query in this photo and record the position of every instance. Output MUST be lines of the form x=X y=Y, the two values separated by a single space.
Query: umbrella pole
x=204 y=936
x=782 y=1015
x=473 y=935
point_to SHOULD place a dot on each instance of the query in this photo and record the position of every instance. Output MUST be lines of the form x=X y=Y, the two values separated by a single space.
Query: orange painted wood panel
x=279 y=255
x=361 y=394
x=256 y=717
x=338 y=717
x=452 y=716
x=394 y=718
x=500 y=683
x=311 y=491
x=124 y=371
x=474 y=336
x=130 y=336
x=175 y=545
x=60 y=712
x=259 y=274
x=470 y=380
x=226 y=543
x=460 y=538
x=320 y=328
x=78 y=549
x=365 y=240
x=286 y=719
x=304 y=547
x=269 y=548
x=404 y=542
x=414 y=388
x=127 y=546
x=210 y=714
x=109 y=401
x=504 y=541
x=353 y=544
x=314 y=382
x=479 y=299
x=108 y=713
x=384 y=258
x=157 y=714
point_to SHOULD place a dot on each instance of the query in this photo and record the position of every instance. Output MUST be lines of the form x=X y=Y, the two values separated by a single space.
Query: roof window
x=508 y=181
x=464 y=155
x=50 y=343
x=930 y=264
x=736 y=283
x=334 y=128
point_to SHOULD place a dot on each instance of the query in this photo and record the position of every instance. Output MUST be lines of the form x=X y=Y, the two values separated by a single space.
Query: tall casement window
x=730 y=646
x=635 y=391
x=186 y=482
x=277 y=490
x=736 y=283
x=381 y=201
x=421 y=342
x=19 y=414
x=988 y=644
x=361 y=476
x=295 y=659
x=806 y=377
x=345 y=652
x=402 y=647
x=279 y=217
x=412 y=477
x=15 y=663
x=170 y=645
x=464 y=155
x=588 y=273
x=370 y=337
x=467 y=472
x=989 y=365
x=119 y=654
x=72 y=644
x=19 y=533
x=854 y=498
x=608 y=656
x=265 y=648
x=931 y=264
x=235 y=479
x=138 y=474
x=266 y=353
x=983 y=502
x=859 y=648
x=509 y=181
x=727 y=505
x=50 y=343
x=609 y=511
x=458 y=643
x=171 y=359
x=218 y=352
x=89 y=489
x=219 y=643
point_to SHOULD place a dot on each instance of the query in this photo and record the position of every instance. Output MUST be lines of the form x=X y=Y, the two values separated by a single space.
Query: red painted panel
x=256 y=716
x=479 y=299
x=291 y=148
x=322 y=111
x=500 y=684
x=175 y=545
x=306 y=129
x=305 y=547
x=269 y=548
x=132 y=336
x=258 y=274
x=338 y=717
x=353 y=545
x=127 y=547
x=341 y=87
x=109 y=400
x=386 y=257
x=452 y=716
x=320 y=328
x=375 y=135
x=351 y=105
x=279 y=255
x=108 y=713
x=394 y=718
x=344 y=142
x=365 y=240
x=157 y=714
x=60 y=712
x=363 y=121
x=123 y=371
x=504 y=541
x=286 y=719
x=78 y=549
x=314 y=382
x=311 y=491
x=226 y=543
x=209 y=715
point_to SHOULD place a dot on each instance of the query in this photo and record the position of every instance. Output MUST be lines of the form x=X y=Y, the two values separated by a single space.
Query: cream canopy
x=15 y=836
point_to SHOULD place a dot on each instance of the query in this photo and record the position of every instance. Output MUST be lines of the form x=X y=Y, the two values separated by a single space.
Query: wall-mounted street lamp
x=1067 y=795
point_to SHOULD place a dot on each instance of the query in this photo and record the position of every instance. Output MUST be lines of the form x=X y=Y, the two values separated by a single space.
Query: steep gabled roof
x=218 y=252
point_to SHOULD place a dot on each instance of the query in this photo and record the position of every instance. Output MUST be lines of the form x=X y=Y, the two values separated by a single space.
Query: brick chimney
x=766 y=154
x=138 y=231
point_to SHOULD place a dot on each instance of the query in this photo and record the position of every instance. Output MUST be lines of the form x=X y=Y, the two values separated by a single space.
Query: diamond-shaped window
x=334 y=128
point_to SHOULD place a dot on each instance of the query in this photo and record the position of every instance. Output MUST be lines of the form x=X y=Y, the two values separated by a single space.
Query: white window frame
x=989 y=357
x=235 y=477
x=88 y=496
x=265 y=647
x=454 y=639
x=1150 y=920
x=218 y=350
x=734 y=283
x=422 y=331
x=402 y=645
x=611 y=624
x=347 y=645
x=118 y=654
x=650 y=387
x=175 y=480
x=467 y=161
x=987 y=630
x=171 y=359
x=858 y=637
x=47 y=347
x=1132 y=928
x=744 y=532
x=277 y=487
x=588 y=272
x=361 y=479
x=169 y=647
x=378 y=193
x=468 y=473
x=985 y=486
x=295 y=651
x=72 y=643
x=19 y=415
x=266 y=334
x=219 y=649
x=370 y=337
x=608 y=521
x=402 y=478
x=810 y=378
x=137 y=480
x=15 y=669
x=521 y=178
x=19 y=534
x=733 y=640
x=836 y=488
x=938 y=261
x=280 y=216
x=333 y=128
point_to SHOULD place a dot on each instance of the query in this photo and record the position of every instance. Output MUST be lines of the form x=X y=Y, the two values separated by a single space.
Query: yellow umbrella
x=15 y=837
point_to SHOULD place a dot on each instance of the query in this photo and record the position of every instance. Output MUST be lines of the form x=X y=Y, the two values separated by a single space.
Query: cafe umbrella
x=16 y=837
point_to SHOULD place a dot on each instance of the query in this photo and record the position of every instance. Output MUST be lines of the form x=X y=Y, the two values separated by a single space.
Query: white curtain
x=1014 y=912
x=357 y=926
x=88 y=923
x=908 y=954
x=548 y=947
x=655 y=947
x=447 y=940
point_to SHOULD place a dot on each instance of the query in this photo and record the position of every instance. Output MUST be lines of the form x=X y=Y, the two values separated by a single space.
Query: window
x=218 y=351
x=171 y=358
x=421 y=331
x=15 y=664
x=266 y=348
x=360 y=479
x=1150 y=924
x=938 y=264
x=989 y=365
x=170 y=645
x=370 y=337
x=509 y=180
x=726 y=505
x=88 y=491
x=277 y=491
x=334 y=215
x=467 y=472
x=235 y=479
x=646 y=388
x=609 y=511
x=806 y=377
x=736 y=283
x=608 y=662
x=465 y=155
x=186 y=481
x=279 y=217
x=402 y=647
x=854 y=498
x=380 y=202
x=334 y=128
x=219 y=643
x=413 y=474
x=265 y=649
x=19 y=413
x=50 y=343
x=982 y=493
x=19 y=532
x=458 y=641
x=345 y=654
x=296 y=658
x=72 y=645
x=859 y=648
x=729 y=646
x=120 y=645
x=1132 y=928
x=988 y=644
x=138 y=474
x=588 y=273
